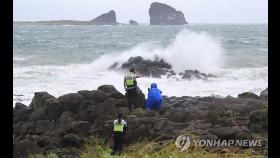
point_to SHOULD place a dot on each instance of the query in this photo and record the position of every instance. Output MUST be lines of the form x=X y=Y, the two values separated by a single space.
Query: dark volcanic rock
x=40 y=99
x=259 y=121
x=162 y=14
x=45 y=141
x=140 y=99
x=248 y=95
x=78 y=127
x=107 y=88
x=195 y=74
x=72 y=140
x=43 y=126
x=157 y=68
x=71 y=101
x=94 y=97
x=45 y=106
x=132 y=22
x=179 y=116
x=147 y=68
x=62 y=125
x=22 y=149
x=264 y=94
x=229 y=132
x=20 y=113
x=105 y=19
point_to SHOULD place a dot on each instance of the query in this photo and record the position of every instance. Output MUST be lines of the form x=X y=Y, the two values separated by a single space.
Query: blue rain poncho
x=154 y=100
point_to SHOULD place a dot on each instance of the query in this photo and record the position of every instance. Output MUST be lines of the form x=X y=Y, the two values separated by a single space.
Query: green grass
x=94 y=148
x=52 y=155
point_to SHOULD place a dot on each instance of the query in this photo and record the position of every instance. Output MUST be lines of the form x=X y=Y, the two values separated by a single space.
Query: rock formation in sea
x=158 y=68
x=133 y=22
x=162 y=14
x=105 y=19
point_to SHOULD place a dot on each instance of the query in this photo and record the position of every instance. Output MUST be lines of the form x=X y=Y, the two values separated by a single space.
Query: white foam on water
x=19 y=59
x=189 y=50
x=62 y=80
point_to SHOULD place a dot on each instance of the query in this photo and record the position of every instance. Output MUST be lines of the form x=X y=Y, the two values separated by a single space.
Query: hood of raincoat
x=153 y=85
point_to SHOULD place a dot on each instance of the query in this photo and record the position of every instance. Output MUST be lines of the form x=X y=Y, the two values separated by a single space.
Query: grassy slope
x=94 y=148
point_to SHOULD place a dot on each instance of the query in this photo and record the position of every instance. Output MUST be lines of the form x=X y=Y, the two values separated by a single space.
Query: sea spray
x=189 y=50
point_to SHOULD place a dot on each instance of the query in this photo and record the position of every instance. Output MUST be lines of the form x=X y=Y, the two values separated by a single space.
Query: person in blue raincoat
x=154 y=99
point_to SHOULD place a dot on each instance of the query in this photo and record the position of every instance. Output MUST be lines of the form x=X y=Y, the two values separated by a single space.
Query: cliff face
x=105 y=19
x=162 y=14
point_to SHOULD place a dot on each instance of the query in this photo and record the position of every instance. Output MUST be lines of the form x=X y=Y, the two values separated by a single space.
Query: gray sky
x=196 y=11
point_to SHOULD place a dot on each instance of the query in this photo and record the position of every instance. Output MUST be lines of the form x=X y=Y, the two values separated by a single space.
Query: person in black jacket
x=119 y=132
x=131 y=88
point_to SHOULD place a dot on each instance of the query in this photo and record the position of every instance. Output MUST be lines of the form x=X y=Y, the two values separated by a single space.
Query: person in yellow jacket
x=119 y=132
x=130 y=86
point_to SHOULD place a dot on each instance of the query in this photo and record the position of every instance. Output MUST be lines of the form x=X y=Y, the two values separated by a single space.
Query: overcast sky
x=196 y=11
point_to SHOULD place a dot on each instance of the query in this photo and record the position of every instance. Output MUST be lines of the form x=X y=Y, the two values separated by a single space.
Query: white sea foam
x=189 y=50
x=72 y=78
x=19 y=59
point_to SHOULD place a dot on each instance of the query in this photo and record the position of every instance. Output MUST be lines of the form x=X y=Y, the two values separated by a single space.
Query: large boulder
x=111 y=90
x=93 y=97
x=28 y=127
x=259 y=120
x=39 y=100
x=66 y=118
x=72 y=140
x=105 y=19
x=248 y=95
x=20 y=113
x=45 y=107
x=43 y=126
x=23 y=149
x=45 y=141
x=162 y=14
x=107 y=88
x=179 y=116
x=230 y=132
x=78 y=127
x=71 y=101
x=221 y=116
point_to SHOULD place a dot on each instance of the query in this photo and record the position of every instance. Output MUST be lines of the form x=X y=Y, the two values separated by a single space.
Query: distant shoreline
x=77 y=22
x=57 y=22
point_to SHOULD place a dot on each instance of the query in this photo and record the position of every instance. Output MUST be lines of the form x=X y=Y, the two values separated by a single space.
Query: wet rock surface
x=157 y=68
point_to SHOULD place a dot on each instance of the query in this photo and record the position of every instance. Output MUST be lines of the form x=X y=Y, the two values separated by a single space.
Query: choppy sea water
x=62 y=59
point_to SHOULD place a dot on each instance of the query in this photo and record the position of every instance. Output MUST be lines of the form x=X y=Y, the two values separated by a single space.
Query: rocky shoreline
x=60 y=125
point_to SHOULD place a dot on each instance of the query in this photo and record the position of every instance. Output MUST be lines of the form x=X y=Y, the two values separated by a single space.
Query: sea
x=63 y=59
